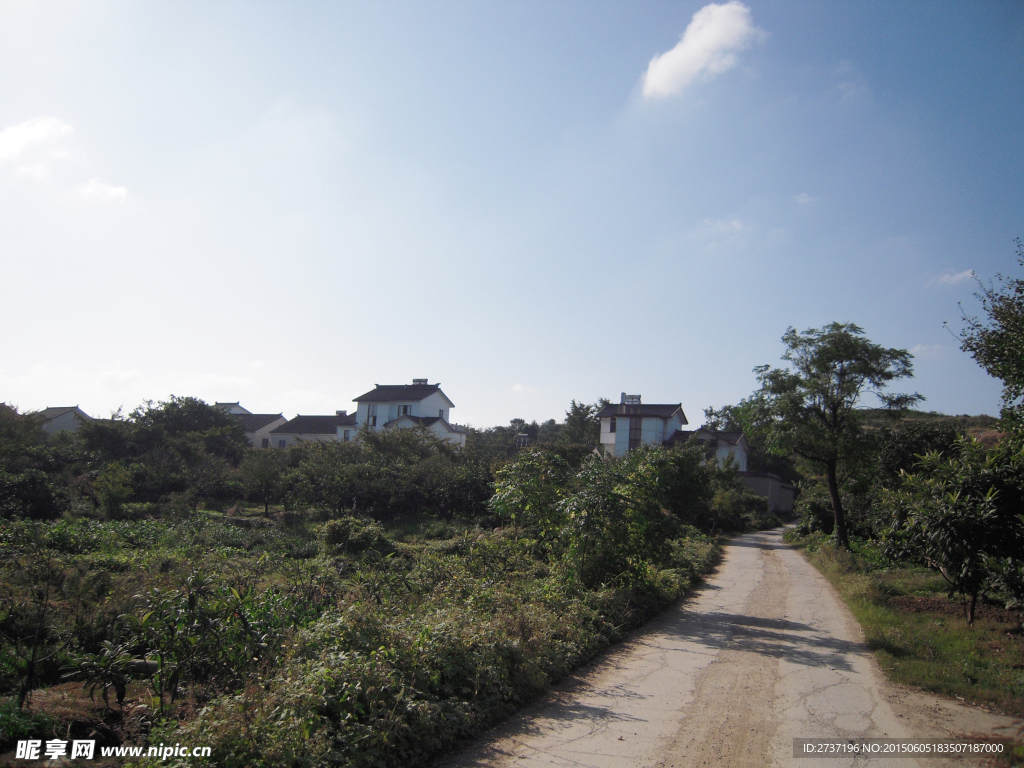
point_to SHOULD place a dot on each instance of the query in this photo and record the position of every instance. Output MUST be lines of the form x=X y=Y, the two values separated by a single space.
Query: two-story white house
x=632 y=423
x=394 y=406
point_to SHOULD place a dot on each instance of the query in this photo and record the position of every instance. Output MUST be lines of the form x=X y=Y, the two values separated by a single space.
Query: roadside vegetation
x=916 y=518
x=366 y=604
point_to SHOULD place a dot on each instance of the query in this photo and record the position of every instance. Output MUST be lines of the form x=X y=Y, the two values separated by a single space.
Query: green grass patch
x=919 y=636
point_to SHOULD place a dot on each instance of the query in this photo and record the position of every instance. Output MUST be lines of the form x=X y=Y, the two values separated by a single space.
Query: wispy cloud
x=95 y=189
x=708 y=47
x=520 y=389
x=926 y=350
x=804 y=199
x=15 y=139
x=954 y=279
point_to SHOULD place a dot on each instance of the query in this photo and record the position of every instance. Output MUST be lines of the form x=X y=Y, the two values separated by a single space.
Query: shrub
x=352 y=535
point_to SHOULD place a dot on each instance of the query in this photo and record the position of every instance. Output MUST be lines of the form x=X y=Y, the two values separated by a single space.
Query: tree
x=998 y=345
x=960 y=515
x=581 y=426
x=262 y=471
x=811 y=408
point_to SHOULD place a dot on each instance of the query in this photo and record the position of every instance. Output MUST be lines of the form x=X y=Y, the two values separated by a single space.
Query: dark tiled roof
x=386 y=393
x=348 y=420
x=310 y=425
x=660 y=410
x=48 y=414
x=253 y=422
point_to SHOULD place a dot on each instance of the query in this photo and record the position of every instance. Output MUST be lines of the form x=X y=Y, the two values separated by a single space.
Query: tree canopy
x=998 y=344
x=812 y=407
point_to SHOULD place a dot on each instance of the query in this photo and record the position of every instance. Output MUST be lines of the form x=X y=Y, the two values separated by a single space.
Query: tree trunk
x=842 y=539
x=970 y=609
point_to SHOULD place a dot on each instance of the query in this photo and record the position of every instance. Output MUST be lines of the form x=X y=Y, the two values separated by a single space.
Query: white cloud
x=950 y=279
x=724 y=226
x=707 y=47
x=15 y=139
x=520 y=389
x=804 y=199
x=94 y=189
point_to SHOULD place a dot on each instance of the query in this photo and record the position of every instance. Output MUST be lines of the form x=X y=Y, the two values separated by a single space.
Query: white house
x=308 y=429
x=235 y=409
x=59 y=419
x=632 y=423
x=396 y=406
x=721 y=444
x=258 y=427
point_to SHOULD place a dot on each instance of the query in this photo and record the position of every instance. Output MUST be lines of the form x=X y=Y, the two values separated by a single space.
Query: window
x=403 y=410
x=611 y=425
x=440 y=413
x=345 y=436
x=266 y=442
x=282 y=443
x=635 y=431
x=371 y=415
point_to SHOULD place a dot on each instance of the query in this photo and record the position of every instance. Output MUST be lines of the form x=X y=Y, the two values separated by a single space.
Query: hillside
x=982 y=427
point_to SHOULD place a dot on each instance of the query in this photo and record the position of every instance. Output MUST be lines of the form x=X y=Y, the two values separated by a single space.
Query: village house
x=309 y=429
x=397 y=406
x=631 y=423
x=60 y=419
x=257 y=426
x=721 y=445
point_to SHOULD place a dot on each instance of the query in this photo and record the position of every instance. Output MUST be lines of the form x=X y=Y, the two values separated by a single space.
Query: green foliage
x=959 y=514
x=915 y=632
x=998 y=343
x=113 y=487
x=30 y=494
x=262 y=474
x=17 y=724
x=527 y=492
x=390 y=473
x=810 y=409
x=353 y=536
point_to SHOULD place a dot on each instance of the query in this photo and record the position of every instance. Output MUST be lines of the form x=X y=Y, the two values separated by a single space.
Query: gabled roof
x=48 y=414
x=658 y=410
x=311 y=425
x=389 y=393
x=253 y=422
x=426 y=421
x=732 y=437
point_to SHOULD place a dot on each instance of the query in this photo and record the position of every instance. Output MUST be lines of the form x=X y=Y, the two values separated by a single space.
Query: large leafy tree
x=812 y=407
x=998 y=343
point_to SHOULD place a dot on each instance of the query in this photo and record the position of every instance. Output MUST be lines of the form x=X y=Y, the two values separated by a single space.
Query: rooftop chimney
x=419 y=381
x=341 y=413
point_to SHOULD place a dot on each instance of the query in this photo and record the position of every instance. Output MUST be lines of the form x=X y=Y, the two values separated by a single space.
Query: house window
x=611 y=424
x=440 y=413
x=345 y=436
x=371 y=415
x=636 y=424
x=266 y=442
x=403 y=410
x=282 y=443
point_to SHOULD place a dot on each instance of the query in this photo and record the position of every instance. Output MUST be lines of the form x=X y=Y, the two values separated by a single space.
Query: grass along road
x=765 y=652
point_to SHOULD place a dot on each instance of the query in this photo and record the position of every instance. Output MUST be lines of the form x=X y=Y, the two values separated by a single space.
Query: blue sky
x=284 y=204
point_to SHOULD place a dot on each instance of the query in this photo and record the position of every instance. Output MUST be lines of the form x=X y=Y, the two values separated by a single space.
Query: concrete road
x=763 y=653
